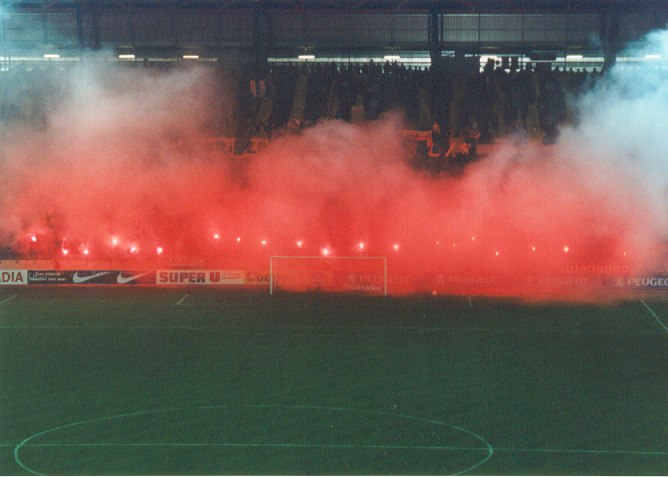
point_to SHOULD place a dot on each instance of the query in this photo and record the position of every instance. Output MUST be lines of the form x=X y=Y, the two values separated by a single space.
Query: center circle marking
x=486 y=446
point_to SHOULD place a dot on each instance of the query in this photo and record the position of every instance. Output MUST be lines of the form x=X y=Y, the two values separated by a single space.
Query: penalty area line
x=182 y=299
x=7 y=299
x=656 y=317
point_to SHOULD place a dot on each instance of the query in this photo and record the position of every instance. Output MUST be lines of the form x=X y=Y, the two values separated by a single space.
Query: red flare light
x=314 y=196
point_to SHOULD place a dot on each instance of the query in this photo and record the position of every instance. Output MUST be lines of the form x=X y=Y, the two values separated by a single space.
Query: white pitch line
x=581 y=451
x=663 y=325
x=7 y=299
x=181 y=300
x=344 y=446
x=259 y=445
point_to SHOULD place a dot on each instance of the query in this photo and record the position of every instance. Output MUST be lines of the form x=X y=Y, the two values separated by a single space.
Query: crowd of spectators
x=496 y=101
x=291 y=96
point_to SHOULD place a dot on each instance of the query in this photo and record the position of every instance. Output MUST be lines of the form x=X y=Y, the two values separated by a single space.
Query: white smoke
x=620 y=144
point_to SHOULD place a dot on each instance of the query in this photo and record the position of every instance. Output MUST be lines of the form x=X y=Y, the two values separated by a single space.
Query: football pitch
x=145 y=380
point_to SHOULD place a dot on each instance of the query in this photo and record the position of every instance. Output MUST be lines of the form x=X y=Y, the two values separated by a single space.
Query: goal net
x=357 y=275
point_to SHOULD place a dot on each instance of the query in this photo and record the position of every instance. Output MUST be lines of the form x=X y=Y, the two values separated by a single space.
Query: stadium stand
x=469 y=101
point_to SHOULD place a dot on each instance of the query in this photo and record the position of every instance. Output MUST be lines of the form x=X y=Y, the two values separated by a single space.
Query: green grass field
x=211 y=381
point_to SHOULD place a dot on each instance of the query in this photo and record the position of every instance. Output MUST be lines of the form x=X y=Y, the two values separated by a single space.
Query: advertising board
x=643 y=283
x=13 y=277
x=200 y=277
x=91 y=277
x=255 y=278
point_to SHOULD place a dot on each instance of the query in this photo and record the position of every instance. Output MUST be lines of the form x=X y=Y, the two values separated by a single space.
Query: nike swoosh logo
x=122 y=280
x=77 y=279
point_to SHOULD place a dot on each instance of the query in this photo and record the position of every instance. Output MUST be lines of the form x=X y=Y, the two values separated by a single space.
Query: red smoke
x=123 y=162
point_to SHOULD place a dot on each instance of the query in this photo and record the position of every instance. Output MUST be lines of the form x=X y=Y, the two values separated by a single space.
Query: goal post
x=354 y=275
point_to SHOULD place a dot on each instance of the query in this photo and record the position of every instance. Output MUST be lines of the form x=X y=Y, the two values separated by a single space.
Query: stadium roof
x=443 y=6
x=285 y=29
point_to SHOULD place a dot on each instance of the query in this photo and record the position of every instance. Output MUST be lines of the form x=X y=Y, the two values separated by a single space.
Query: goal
x=355 y=275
